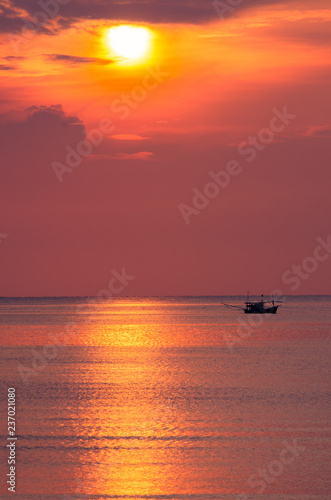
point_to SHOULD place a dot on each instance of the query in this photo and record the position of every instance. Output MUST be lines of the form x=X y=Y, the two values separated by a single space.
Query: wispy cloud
x=141 y=155
x=319 y=131
x=6 y=67
x=72 y=60
x=129 y=137
x=14 y=58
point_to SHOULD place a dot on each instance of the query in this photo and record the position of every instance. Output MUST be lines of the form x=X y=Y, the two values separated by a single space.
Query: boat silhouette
x=260 y=307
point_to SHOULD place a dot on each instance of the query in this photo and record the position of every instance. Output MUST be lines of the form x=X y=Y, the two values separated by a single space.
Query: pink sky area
x=202 y=169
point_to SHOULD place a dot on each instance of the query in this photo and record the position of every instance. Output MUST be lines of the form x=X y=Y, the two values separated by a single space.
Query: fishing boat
x=260 y=307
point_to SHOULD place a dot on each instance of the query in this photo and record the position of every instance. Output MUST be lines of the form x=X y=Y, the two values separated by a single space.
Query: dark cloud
x=36 y=138
x=53 y=115
x=5 y=67
x=158 y=11
x=14 y=20
x=10 y=20
x=11 y=59
x=76 y=60
x=14 y=58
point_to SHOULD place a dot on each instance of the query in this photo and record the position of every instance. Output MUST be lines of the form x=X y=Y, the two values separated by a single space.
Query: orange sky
x=160 y=125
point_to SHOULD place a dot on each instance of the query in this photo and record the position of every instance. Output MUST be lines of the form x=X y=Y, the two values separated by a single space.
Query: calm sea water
x=172 y=398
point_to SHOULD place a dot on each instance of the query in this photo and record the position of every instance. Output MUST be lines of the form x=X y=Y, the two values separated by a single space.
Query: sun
x=131 y=42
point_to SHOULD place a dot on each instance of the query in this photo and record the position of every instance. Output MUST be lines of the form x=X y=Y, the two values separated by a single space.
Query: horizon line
x=152 y=296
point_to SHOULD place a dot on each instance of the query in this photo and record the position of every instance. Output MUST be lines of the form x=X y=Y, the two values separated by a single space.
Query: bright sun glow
x=131 y=42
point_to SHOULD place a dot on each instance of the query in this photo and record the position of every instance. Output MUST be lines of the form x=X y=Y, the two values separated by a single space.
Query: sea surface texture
x=166 y=398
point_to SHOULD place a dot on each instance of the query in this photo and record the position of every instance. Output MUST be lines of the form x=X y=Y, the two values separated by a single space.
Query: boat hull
x=257 y=309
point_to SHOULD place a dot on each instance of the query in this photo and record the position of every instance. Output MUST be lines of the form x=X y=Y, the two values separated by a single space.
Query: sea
x=164 y=398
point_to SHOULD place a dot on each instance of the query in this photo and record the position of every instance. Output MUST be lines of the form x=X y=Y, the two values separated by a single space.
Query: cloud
x=53 y=114
x=14 y=18
x=99 y=156
x=322 y=131
x=17 y=16
x=10 y=19
x=129 y=137
x=31 y=142
x=6 y=67
x=14 y=58
x=141 y=155
x=68 y=59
